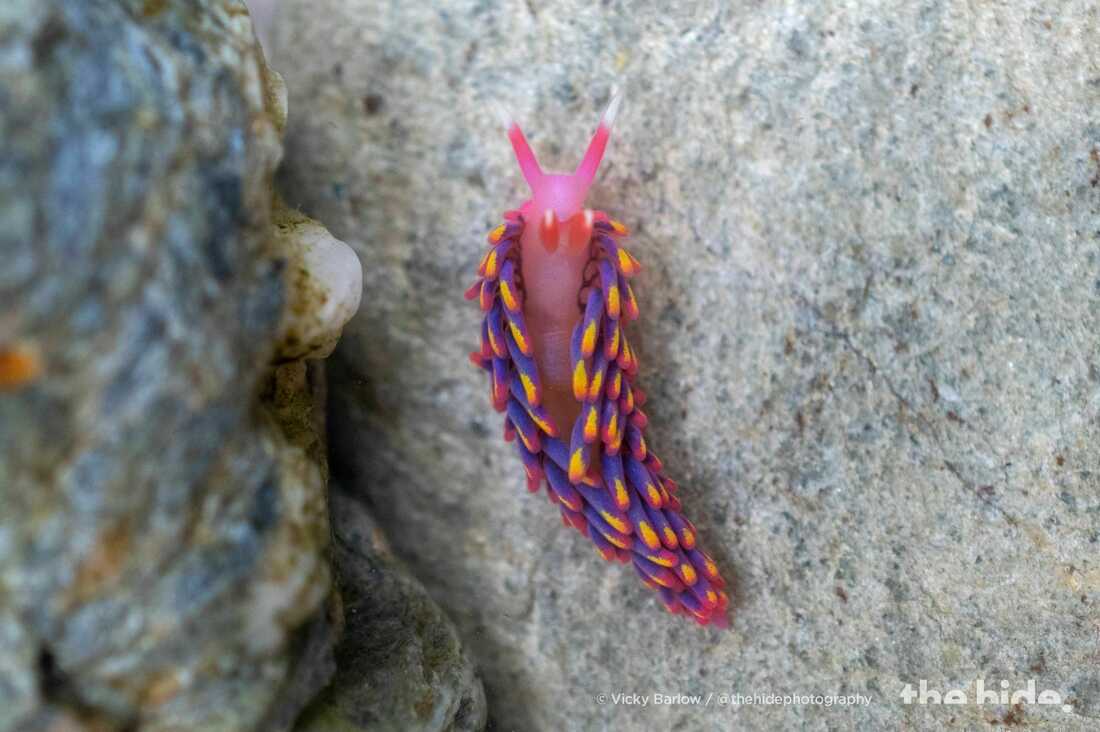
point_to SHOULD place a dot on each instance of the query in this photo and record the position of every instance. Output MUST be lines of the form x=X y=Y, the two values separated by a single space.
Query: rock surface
x=401 y=665
x=161 y=530
x=869 y=338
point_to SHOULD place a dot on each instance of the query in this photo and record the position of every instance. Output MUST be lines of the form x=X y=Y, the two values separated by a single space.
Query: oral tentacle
x=549 y=230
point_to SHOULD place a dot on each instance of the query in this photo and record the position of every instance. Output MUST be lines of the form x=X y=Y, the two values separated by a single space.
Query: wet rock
x=868 y=335
x=312 y=666
x=401 y=665
x=163 y=519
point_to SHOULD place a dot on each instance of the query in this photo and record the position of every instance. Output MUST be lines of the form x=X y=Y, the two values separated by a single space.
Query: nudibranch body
x=555 y=289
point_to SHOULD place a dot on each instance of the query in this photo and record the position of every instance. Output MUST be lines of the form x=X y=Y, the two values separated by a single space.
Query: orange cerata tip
x=619 y=227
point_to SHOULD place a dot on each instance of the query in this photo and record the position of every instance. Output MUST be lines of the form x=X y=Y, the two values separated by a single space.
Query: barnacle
x=324 y=285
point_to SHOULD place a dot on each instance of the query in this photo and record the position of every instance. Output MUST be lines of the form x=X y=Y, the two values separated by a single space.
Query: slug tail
x=600 y=472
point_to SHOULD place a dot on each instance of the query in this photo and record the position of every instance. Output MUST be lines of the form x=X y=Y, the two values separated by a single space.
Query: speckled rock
x=401 y=665
x=869 y=336
x=163 y=525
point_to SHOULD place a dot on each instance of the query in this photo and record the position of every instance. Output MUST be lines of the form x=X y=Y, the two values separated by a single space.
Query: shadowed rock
x=400 y=664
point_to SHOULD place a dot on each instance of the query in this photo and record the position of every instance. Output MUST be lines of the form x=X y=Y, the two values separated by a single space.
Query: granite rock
x=870 y=309
x=163 y=521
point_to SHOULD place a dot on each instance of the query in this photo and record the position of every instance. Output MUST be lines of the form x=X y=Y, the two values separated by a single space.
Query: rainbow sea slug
x=554 y=287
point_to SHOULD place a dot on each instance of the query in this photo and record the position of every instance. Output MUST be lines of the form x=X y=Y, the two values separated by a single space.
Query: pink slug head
x=559 y=197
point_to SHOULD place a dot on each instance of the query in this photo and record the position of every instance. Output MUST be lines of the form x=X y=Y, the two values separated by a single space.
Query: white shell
x=324 y=285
